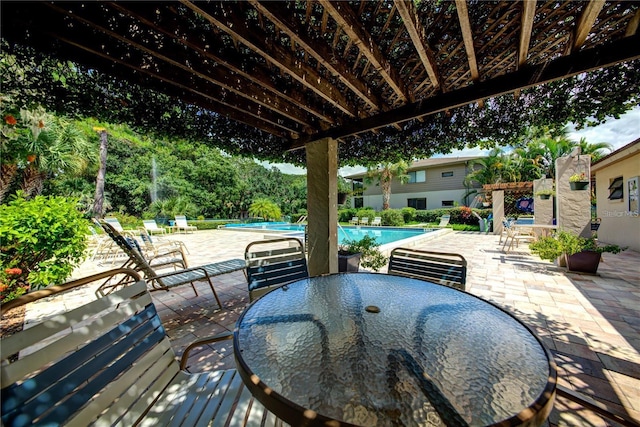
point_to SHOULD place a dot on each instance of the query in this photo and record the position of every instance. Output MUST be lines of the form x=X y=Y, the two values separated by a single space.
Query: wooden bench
x=109 y=362
x=438 y=267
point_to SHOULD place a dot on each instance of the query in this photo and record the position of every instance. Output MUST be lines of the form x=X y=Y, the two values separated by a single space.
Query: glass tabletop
x=375 y=349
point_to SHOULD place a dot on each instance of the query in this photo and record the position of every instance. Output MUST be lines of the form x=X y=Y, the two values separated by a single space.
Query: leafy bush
x=41 y=241
x=344 y=215
x=392 y=217
x=126 y=221
x=550 y=248
x=368 y=212
x=265 y=208
x=409 y=214
x=369 y=248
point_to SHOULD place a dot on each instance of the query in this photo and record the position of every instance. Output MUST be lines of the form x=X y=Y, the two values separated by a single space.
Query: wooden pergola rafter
x=304 y=70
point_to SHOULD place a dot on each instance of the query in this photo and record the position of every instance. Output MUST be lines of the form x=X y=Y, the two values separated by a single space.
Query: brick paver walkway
x=591 y=324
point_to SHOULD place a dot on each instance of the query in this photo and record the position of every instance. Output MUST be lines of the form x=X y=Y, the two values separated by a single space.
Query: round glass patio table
x=373 y=349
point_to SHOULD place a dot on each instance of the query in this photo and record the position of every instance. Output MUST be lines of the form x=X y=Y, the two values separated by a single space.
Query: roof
x=428 y=163
x=304 y=70
x=632 y=148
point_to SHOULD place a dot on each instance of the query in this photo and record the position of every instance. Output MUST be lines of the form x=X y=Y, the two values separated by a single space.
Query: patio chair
x=110 y=362
x=181 y=224
x=364 y=221
x=377 y=221
x=444 y=221
x=165 y=281
x=438 y=267
x=516 y=235
x=448 y=269
x=155 y=245
x=354 y=220
x=152 y=228
x=274 y=263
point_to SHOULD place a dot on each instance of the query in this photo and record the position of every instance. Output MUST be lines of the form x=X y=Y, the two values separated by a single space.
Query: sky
x=617 y=132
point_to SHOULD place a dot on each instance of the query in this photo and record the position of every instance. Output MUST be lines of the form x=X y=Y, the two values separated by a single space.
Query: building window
x=616 y=189
x=417 y=203
x=358 y=187
x=358 y=202
x=447 y=174
x=417 y=176
x=447 y=203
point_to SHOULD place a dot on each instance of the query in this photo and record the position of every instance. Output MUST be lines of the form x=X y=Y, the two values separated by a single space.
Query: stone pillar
x=497 y=198
x=322 y=208
x=543 y=207
x=574 y=206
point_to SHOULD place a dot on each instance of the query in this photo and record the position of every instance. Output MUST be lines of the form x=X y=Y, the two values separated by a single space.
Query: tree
x=383 y=174
x=265 y=208
x=98 y=200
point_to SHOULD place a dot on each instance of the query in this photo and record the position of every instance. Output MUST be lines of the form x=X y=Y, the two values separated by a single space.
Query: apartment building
x=433 y=183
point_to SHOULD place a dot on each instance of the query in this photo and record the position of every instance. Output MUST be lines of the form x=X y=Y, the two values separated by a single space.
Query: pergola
x=314 y=74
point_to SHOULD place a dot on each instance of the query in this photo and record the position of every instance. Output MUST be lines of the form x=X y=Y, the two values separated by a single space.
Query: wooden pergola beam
x=296 y=101
x=626 y=49
x=467 y=37
x=279 y=57
x=587 y=19
x=526 y=26
x=272 y=10
x=417 y=34
x=347 y=21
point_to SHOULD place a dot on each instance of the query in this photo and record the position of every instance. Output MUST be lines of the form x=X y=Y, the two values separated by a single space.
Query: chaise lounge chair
x=181 y=224
x=377 y=221
x=444 y=221
x=152 y=228
x=165 y=281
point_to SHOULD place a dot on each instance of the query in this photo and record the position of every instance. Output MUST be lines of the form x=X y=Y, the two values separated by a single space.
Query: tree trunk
x=98 y=200
x=32 y=181
x=7 y=175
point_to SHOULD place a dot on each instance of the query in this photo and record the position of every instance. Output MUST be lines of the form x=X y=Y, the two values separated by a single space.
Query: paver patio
x=591 y=324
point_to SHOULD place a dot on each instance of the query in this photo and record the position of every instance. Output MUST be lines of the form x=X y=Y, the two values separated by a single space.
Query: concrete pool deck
x=591 y=324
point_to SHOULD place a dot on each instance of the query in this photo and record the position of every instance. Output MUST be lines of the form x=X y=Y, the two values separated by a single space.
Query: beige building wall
x=620 y=223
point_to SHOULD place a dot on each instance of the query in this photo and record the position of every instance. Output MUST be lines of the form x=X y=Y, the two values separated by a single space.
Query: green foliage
x=265 y=208
x=578 y=177
x=369 y=248
x=409 y=214
x=550 y=248
x=44 y=238
x=344 y=215
x=126 y=220
x=366 y=212
x=392 y=217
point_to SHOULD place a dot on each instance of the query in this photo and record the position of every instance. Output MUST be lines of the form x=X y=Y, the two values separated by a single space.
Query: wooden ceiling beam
x=587 y=19
x=605 y=55
x=278 y=56
x=417 y=33
x=467 y=37
x=258 y=76
x=215 y=76
x=526 y=26
x=274 y=11
x=632 y=28
x=347 y=21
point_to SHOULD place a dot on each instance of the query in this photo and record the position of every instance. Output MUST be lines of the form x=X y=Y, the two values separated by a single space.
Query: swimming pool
x=383 y=235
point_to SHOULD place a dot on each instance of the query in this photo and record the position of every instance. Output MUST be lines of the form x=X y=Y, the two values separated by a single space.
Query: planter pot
x=349 y=263
x=342 y=198
x=579 y=185
x=486 y=204
x=585 y=262
x=545 y=196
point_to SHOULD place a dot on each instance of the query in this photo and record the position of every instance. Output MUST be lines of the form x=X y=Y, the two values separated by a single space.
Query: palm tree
x=490 y=170
x=265 y=208
x=594 y=149
x=383 y=174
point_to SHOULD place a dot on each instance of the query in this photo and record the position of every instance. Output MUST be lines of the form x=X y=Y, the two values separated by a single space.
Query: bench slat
x=154 y=371
x=17 y=342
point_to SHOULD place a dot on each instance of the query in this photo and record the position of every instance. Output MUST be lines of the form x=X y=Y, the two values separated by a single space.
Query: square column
x=322 y=208
x=497 y=199
x=574 y=206
x=543 y=207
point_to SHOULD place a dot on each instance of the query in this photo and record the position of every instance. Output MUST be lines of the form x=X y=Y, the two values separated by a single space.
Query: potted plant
x=364 y=251
x=545 y=194
x=578 y=181
x=581 y=254
x=344 y=190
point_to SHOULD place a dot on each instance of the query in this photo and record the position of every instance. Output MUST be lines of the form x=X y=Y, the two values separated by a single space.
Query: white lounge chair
x=354 y=220
x=181 y=224
x=364 y=221
x=377 y=221
x=444 y=221
x=152 y=228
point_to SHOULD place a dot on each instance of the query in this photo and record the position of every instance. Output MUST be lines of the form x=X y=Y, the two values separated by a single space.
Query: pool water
x=383 y=235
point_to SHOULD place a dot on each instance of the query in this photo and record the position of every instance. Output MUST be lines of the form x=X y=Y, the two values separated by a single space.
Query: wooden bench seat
x=109 y=362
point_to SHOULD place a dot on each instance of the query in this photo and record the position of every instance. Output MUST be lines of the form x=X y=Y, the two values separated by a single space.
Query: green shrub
x=125 y=220
x=366 y=212
x=344 y=215
x=369 y=248
x=409 y=214
x=41 y=241
x=392 y=217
